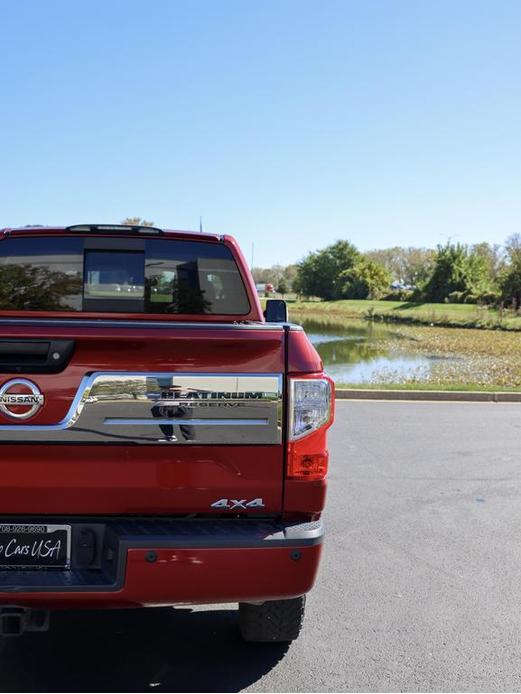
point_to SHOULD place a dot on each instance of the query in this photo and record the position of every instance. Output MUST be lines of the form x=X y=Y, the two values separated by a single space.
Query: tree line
x=452 y=272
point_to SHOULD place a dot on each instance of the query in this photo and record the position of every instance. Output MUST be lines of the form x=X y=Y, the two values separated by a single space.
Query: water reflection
x=360 y=352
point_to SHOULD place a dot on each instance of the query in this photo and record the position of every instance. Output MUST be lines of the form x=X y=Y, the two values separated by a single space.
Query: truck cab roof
x=111 y=229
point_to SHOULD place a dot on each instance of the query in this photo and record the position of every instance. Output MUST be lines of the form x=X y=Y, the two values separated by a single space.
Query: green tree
x=290 y=273
x=407 y=265
x=282 y=287
x=510 y=277
x=456 y=269
x=276 y=273
x=318 y=274
x=365 y=280
x=479 y=273
x=493 y=259
x=510 y=284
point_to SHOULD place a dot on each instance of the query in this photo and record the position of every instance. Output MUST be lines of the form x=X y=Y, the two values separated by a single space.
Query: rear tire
x=275 y=621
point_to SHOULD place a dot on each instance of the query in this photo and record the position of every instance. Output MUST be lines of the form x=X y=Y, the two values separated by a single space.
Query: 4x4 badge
x=20 y=398
x=238 y=504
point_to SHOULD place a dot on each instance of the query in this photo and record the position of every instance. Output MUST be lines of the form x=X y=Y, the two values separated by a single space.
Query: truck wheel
x=273 y=621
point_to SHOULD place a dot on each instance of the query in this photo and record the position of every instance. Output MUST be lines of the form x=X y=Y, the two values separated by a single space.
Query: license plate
x=35 y=546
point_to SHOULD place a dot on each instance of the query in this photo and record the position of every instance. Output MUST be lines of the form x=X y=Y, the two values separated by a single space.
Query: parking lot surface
x=419 y=589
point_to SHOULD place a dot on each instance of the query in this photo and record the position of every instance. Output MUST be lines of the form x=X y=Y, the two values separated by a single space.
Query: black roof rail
x=121 y=228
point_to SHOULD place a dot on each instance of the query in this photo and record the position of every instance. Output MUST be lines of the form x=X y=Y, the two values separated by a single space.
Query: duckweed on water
x=469 y=357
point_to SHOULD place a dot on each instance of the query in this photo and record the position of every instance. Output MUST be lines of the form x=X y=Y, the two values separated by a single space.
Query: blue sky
x=288 y=124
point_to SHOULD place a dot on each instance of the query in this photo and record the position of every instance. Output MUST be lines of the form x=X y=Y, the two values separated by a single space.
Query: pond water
x=361 y=352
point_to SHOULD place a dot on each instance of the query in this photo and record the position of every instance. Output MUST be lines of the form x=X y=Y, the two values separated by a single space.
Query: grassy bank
x=451 y=387
x=441 y=315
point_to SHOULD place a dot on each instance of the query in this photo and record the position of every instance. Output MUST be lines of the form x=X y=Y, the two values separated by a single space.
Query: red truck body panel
x=99 y=480
x=195 y=576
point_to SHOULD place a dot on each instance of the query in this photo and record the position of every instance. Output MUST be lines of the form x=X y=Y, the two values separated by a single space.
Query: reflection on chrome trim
x=181 y=407
x=189 y=422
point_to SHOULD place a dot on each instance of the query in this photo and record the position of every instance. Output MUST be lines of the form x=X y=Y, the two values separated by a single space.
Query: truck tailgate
x=145 y=418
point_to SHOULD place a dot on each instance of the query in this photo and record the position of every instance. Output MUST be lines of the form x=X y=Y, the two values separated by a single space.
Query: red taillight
x=310 y=415
x=307 y=466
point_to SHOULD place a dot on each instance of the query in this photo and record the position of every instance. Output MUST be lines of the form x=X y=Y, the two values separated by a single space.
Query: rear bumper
x=160 y=561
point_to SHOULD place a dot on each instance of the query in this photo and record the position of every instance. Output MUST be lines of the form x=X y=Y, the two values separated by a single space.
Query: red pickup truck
x=162 y=440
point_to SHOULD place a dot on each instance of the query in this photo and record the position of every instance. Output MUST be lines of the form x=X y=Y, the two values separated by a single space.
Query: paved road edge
x=433 y=395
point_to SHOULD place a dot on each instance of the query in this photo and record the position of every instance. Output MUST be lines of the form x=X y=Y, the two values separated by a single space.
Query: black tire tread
x=275 y=621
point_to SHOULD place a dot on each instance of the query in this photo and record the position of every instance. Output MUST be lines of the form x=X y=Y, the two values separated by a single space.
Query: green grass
x=442 y=315
x=465 y=387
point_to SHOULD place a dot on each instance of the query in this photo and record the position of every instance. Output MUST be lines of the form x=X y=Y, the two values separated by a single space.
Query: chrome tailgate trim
x=165 y=407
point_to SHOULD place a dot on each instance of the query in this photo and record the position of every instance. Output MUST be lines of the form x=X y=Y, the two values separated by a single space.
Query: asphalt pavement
x=419 y=588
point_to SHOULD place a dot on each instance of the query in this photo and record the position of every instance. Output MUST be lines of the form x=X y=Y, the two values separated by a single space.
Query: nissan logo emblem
x=20 y=398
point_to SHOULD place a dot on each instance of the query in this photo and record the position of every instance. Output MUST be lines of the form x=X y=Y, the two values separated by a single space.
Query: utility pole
x=252 y=252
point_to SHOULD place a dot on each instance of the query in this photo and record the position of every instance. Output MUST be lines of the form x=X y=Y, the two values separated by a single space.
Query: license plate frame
x=35 y=546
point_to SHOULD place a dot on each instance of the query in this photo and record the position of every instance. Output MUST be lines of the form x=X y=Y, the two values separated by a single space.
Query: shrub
x=365 y=280
x=489 y=298
x=456 y=297
x=399 y=295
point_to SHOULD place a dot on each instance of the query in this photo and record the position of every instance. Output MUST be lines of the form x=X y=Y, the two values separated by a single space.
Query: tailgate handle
x=35 y=356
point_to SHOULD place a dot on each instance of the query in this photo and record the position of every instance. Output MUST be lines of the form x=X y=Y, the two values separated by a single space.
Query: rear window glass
x=127 y=275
